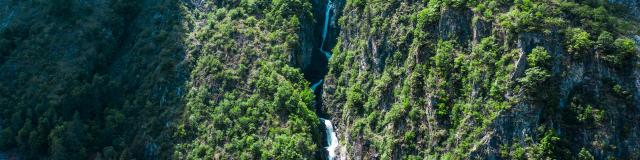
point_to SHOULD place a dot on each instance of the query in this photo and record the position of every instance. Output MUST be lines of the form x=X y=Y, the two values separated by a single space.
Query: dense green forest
x=405 y=79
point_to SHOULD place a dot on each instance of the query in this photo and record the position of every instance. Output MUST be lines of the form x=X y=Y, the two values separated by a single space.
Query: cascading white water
x=332 y=139
x=330 y=134
x=325 y=28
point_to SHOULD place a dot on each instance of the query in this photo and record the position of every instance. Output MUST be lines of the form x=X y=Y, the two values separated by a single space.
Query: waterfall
x=332 y=139
x=330 y=134
x=326 y=27
x=327 y=54
x=314 y=86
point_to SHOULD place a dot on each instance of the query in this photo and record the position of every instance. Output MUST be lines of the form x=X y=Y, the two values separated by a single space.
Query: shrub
x=577 y=41
x=443 y=60
x=604 y=42
x=428 y=15
x=548 y=146
x=621 y=49
x=588 y=114
x=624 y=48
x=527 y=16
x=534 y=77
x=585 y=155
x=356 y=3
x=539 y=57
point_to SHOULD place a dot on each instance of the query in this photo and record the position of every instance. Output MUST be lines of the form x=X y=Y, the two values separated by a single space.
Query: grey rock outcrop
x=632 y=5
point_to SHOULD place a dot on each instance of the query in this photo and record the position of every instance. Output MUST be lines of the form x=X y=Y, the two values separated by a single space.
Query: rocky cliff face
x=456 y=79
x=633 y=7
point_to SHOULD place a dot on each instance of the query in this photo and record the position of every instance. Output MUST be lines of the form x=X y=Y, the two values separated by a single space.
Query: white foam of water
x=332 y=139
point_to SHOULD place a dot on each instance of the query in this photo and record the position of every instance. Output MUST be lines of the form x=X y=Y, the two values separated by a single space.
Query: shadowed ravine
x=330 y=135
x=325 y=27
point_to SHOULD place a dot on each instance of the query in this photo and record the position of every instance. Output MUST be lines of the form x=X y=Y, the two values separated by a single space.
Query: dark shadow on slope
x=117 y=64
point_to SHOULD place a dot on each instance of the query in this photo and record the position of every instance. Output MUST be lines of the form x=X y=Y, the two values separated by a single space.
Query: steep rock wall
x=632 y=5
x=446 y=79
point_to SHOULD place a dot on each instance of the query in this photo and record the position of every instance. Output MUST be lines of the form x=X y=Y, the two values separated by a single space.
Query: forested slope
x=485 y=79
x=166 y=79
x=406 y=79
x=246 y=98
x=90 y=78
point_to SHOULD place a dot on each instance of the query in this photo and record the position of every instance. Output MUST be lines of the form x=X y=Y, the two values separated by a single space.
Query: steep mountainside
x=119 y=79
x=246 y=99
x=485 y=79
x=83 y=77
x=269 y=79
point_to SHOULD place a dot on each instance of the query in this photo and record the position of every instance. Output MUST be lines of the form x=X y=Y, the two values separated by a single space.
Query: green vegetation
x=624 y=49
x=61 y=99
x=450 y=98
x=244 y=107
x=118 y=79
x=429 y=79
x=531 y=16
x=585 y=155
x=539 y=58
x=578 y=42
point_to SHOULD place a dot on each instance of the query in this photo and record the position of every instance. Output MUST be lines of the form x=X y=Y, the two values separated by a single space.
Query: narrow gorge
x=330 y=135
x=319 y=79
